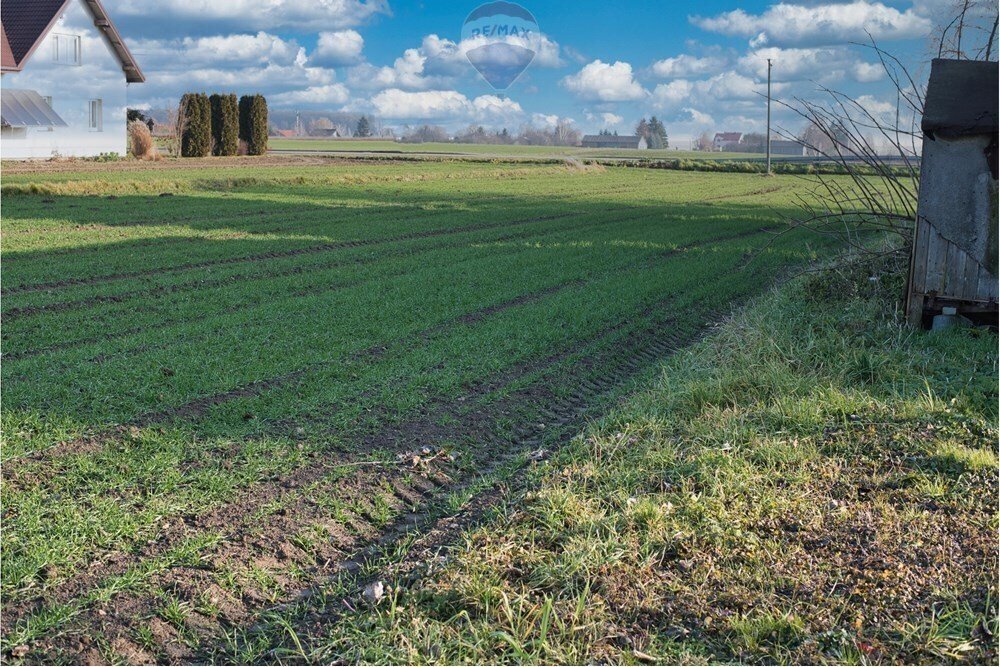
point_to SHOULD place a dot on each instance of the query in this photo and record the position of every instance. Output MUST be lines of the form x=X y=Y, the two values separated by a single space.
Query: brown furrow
x=390 y=437
x=271 y=547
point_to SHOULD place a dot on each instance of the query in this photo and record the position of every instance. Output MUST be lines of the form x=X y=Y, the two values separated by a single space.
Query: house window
x=96 y=115
x=66 y=49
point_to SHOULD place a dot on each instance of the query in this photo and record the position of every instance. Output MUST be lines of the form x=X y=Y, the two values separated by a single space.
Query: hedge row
x=218 y=124
x=196 y=125
x=253 y=123
x=225 y=125
x=745 y=167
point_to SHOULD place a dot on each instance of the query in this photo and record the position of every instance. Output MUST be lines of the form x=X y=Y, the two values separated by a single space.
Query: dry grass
x=140 y=141
x=814 y=484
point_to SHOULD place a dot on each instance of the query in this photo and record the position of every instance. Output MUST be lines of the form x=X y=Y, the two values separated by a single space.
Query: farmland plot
x=224 y=387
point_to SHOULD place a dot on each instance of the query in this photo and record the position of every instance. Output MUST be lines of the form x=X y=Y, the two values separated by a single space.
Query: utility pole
x=768 y=116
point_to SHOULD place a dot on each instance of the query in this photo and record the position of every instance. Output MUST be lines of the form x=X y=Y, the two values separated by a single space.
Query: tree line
x=561 y=134
x=654 y=132
x=221 y=125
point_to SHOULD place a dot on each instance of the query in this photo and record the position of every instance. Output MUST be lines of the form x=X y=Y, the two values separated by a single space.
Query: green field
x=225 y=386
x=457 y=149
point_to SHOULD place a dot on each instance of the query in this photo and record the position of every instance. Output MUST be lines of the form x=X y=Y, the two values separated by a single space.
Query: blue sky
x=697 y=65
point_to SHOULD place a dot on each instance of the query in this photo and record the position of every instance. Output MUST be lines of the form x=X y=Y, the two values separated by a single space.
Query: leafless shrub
x=971 y=33
x=140 y=141
x=879 y=149
x=177 y=122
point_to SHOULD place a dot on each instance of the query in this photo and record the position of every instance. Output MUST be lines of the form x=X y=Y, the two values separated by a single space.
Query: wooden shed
x=954 y=259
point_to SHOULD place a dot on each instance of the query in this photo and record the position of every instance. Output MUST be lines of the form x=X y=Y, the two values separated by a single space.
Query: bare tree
x=177 y=122
x=813 y=135
x=704 y=142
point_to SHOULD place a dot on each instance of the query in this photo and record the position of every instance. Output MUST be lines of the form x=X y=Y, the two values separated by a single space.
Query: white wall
x=98 y=76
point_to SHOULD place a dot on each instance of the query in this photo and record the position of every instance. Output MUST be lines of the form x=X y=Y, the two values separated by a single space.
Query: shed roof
x=962 y=98
x=26 y=22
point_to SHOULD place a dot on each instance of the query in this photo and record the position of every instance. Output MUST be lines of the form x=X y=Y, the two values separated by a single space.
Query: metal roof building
x=614 y=141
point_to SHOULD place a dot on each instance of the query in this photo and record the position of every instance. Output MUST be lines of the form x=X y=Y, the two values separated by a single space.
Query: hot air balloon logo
x=499 y=37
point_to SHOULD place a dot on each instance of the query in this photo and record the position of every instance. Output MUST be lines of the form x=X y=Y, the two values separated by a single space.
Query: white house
x=726 y=140
x=64 y=80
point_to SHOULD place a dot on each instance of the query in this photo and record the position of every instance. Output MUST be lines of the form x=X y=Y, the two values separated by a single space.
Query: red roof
x=728 y=136
x=7 y=60
x=26 y=22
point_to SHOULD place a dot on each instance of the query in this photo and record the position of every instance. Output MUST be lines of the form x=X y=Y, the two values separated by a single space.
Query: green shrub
x=225 y=124
x=196 y=125
x=253 y=124
x=755 y=167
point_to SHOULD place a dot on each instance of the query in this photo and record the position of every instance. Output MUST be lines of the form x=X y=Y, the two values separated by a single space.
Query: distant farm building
x=614 y=141
x=787 y=147
x=726 y=140
x=954 y=261
x=51 y=104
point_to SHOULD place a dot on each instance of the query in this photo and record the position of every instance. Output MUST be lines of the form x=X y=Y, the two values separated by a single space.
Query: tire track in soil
x=203 y=284
x=197 y=407
x=276 y=254
x=388 y=437
x=271 y=547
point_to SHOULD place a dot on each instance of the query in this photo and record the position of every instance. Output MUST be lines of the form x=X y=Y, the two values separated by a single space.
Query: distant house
x=787 y=147
x=327 y=132
x=284 y=134
x=726 y=140
x=66 y=72
x=614 y=141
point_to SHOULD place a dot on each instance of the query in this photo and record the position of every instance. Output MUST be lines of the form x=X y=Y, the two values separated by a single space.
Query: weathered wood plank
x=971 y=279
x=920 y=241
x=937 y=258
x=987 y=285
x=954 y=271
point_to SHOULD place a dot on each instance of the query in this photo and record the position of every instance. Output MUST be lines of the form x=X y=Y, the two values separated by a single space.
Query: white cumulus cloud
x=340 y=47
x=813 y=24
x=216 y=50
x=825 y=64
x=699 y=117
x=545 y=120
x=686 y=65
x=448 y=105
x=673 y=93
x=330 y=94
x=868 y=72
x=605 y=82
x=186 y=16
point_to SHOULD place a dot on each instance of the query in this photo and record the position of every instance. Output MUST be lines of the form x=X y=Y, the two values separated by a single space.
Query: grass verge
x=815 y=483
